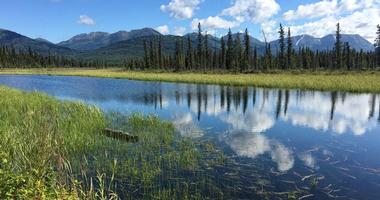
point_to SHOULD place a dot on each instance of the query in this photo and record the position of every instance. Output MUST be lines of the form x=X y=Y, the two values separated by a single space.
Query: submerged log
x=120 y=135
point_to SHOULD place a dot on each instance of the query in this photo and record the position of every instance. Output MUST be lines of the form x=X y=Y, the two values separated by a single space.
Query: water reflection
x=185 y=125
x=253 y=145
x=249 y=109
x=290 y=132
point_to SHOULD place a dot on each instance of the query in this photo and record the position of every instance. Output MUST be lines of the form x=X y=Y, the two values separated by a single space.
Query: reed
x=37 y=134
x=53 y=149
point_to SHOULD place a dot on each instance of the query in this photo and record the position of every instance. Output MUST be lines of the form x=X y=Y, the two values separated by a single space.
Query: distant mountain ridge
x=96 y=40
x=23 y=43
x=116 y=47
x=327 y=42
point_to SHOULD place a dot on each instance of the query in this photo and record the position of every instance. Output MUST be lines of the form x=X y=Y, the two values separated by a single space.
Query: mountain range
x=116 y=47
x=23 y=43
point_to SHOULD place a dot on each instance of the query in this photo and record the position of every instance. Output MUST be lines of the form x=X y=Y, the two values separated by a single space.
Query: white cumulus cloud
x=354 y=23
x=213 y=22
x=326 y=8
x=164 y=29
x=318 y=9
x=86 y=20
x=255 y=11
x=355 y=16
x=180 y=31
x=181 y=9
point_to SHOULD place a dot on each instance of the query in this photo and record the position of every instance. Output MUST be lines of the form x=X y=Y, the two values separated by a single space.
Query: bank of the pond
x=37 y=133
x=52 y=149
x=325 y=81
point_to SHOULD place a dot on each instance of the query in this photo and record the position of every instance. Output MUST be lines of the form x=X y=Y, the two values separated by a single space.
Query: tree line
x=10 y=57
x=237 y=55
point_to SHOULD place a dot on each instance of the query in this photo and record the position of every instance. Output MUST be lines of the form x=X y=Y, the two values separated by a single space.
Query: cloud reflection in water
x=252 y=145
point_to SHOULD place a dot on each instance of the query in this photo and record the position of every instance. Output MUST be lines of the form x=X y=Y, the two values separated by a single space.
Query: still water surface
x=292 y=136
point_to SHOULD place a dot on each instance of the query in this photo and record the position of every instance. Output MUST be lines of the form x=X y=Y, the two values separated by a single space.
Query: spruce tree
x=190 y=57
x=338 y=48
x=151 y=55
x=347 y=56
x=160 y=59
x=268 y=56
x=229 y=56
x=222 y=54
x=377 y=46
x=146 y=55
x=200 y=47
x=206 y=53
x=281 y=55
x=289 y=50
x=247 y=50
x=177 y=56
x=255 y=60
x=238 y=61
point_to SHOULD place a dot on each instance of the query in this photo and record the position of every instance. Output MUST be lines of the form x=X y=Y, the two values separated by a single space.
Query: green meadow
x=360 y=81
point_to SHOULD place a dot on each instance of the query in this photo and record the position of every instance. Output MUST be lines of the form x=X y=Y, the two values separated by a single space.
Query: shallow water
x=289 y=138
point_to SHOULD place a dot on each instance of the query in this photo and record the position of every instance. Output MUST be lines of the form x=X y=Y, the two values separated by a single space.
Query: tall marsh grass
x=51 y=149
x=37 y=133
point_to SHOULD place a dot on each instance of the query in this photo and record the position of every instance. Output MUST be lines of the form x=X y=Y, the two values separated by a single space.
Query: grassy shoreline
x=321 y=80
x=54 y=149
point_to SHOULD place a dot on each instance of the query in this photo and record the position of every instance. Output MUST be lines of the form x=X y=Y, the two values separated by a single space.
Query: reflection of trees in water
x=372 y=106
x=318 y=110
x=254 y=97
x=188 y=97
x=286 y=102
x=333 y=102
x=245 y=99
x=279 y=102
x=222 y=96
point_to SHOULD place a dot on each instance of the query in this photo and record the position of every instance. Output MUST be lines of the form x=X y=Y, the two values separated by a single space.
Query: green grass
x=331 y=81
x=37 y=134
x=51 y=149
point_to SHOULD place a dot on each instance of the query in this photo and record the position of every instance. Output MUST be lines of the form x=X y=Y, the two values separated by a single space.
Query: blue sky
x=58 y=20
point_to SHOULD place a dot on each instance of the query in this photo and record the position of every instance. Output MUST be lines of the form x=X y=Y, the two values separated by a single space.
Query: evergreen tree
x=200 y=47
x=289 y=50
x=338 y=48
x=190 y=57
x=229 y=56
x=347 y=56
x=238 y=64
x=160 y=59
x=222 y=54
x=268 y=57
x=281 y=55
x=151 y=55
x=206 y=52
x=177 y=56
x=255 y=59
x=247 y=50
x=377 y=46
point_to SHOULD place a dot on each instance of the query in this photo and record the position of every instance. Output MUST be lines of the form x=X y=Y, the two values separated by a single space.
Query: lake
x=325 y=142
